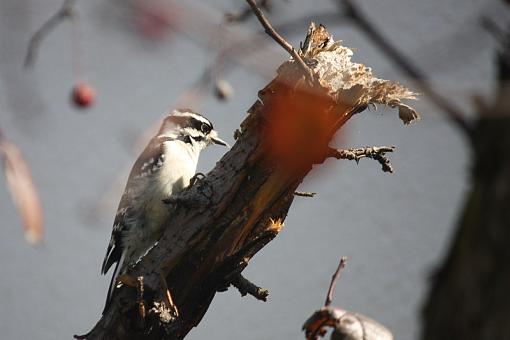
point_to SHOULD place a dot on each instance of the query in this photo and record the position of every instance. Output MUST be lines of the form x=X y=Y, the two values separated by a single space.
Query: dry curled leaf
x=346 y=326
x=23 y=191
x=353 y=326
x=406 y=113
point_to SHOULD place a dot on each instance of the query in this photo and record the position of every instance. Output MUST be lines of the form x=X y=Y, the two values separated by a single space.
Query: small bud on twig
x=223 y=90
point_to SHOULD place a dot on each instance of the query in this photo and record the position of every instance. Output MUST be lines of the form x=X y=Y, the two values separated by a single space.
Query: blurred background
x=145 y=57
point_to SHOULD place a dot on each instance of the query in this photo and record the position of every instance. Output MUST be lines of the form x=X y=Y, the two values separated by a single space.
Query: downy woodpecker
x=163 y=169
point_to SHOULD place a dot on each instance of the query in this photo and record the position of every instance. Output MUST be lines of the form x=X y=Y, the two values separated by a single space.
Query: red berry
x=83 y=95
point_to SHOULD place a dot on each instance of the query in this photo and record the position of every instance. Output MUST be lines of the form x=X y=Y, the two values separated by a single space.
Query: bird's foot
x=202 y=193
x=197 y=177
x=204 y=187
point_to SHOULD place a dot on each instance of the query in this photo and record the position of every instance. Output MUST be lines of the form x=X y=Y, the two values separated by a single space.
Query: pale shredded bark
x=353 y=82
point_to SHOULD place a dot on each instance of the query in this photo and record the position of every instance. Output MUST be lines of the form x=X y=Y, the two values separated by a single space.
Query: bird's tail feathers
x=113 y=282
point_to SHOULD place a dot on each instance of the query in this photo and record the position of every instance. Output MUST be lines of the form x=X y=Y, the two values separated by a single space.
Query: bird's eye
x=206 y=128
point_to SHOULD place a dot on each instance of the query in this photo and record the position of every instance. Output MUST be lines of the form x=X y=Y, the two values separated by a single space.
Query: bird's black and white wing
x=147 y=164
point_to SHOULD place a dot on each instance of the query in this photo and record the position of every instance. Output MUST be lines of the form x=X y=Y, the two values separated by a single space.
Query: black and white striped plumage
x=164 y=168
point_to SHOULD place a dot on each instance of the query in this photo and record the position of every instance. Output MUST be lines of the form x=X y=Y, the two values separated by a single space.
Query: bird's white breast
x=179 y=165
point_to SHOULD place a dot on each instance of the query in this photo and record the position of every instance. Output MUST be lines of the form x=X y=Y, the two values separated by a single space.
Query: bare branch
x=244 y=13
x=245 y=286
x=304 y=194
x=377 y=153
x=334 y=279
x=65 y=12
x=402 y=62
x=279 y=39
x=494 y=29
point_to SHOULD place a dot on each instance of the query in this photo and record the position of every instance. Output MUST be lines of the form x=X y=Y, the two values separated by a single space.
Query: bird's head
x=190 y=127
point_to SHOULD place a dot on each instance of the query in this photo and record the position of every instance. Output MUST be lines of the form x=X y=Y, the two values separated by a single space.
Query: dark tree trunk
x=469 y=297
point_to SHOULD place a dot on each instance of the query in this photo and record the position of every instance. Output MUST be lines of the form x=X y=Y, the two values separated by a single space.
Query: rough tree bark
x=224 y=219
x=469 y=294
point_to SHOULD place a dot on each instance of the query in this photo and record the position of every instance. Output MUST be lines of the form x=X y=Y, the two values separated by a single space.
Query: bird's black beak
x=219 y=141
x=213 y=137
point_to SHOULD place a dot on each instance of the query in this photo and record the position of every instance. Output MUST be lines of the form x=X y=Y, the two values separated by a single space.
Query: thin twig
x=334 y=279
x=494 y=29
x=245 y=286
x=279 y=39
x=377 y=153
x=304 y=194
x=419 y=78
x=245 y=12
x=65 y=12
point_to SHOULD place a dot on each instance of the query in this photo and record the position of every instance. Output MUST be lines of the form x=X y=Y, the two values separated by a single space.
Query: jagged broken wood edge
x=242 y=203
x=353 y=82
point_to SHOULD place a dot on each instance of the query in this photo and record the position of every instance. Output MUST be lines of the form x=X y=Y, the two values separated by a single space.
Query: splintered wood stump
x=223 y=220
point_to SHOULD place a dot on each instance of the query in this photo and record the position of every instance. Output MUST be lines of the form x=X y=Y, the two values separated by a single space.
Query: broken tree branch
x=245 y=286
x=240 y=205
x=304 y=194
x=377 y=153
